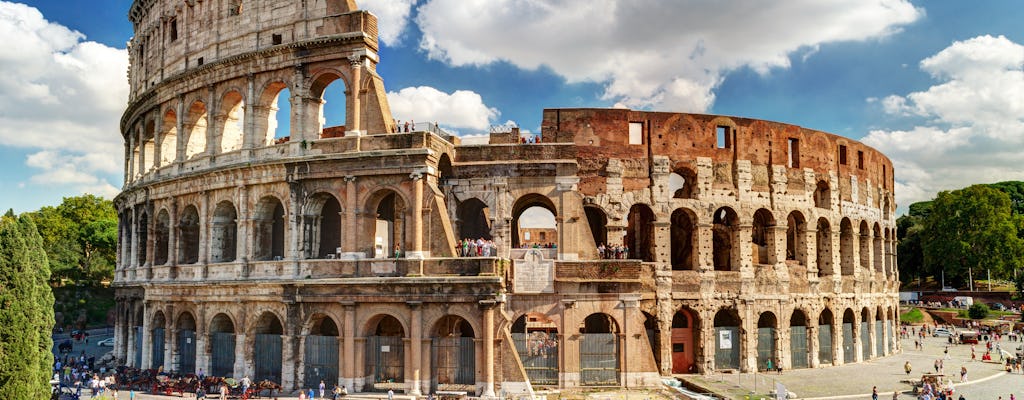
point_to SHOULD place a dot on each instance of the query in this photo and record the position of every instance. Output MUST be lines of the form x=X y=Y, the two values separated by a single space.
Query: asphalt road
x=90 y=348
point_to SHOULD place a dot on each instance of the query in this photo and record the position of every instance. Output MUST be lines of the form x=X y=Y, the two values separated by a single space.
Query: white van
x=941 y=332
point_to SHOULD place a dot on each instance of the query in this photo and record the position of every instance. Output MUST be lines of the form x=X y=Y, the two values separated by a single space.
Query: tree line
x=971 y=232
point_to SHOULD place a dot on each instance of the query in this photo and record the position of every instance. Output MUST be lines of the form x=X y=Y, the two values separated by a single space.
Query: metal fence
x=865 y=340
x=825 y=344
x=267 y=357
x=385 y=358
x=138 y=347
x=186 y=352
x=157 y=348
x=727 y=347
x=222 y=357
x=879 y=339
x=599 y=359
x=454 y=361
x=765 y=347
x=538 y=351
x=848 y=356
x=321 y=360
x=798 y=347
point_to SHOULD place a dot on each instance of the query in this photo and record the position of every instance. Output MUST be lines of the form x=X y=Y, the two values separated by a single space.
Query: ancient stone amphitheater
x=333 y=253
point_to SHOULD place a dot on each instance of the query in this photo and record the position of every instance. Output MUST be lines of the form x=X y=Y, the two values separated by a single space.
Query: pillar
x=417 y=251
x=349 y=367
x=812 y=341
x=243 y=239
x=133 y=257
x=147 y=340
x=356 y=111
x=488 y=344
x=350 y=239
x=288 y=362
x=415 y=337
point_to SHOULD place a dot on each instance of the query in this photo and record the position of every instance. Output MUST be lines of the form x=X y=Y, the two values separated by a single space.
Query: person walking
x=323 y=387
x=391 y=394
x=874 y=393
x=907 y=367
x=963 y=373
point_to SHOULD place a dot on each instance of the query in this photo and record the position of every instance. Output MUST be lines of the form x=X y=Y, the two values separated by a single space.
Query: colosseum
x=615 y=248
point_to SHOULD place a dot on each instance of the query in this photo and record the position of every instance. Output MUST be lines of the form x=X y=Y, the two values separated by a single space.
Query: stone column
x=241 y=364
x=350 y=233
x=147 y=340
x=243 y=241
x=415 y=337
x=858 y=339
x=349 y=368
x=417 y=251
x=288 y=363
x=133 y=257
x=132 y=143
x=129 y=344
x=838 y=355
x=488 y=307
x=812 y=341
x=629 y=337
x=356 y=109
x=204 y=230
x=748 y=334
x=742 y=256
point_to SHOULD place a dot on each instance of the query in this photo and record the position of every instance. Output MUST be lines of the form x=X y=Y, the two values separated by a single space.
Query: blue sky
x=938 y=86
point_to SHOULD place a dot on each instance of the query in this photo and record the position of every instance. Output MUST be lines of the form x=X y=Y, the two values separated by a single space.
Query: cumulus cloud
x=61 y=97
x=392 y=17
x=651 y=53
x=973 y=120
x=461 y=109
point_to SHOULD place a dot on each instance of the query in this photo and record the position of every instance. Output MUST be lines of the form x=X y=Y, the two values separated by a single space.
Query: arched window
x=163 y=236
x=331 y=91
x=796 y=247
x=682 y=183
x=847 y=263
x=274 y=118
x=639 y=233
x=188 y=236
x=597 y=220
x=196 y=128
x=761 y=235
x=232 y=122
x=723 y=231
x=682 y=239
x=268 y=227
x=473 y=219
x=533 y=222
x=225 y=233
x=169 y=138
x=823 y=195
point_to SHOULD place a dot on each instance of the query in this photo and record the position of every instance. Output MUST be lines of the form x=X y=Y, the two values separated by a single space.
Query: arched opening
x=847 y=263
x=137 y=330
x=388 y=229
x=597 y=220
x=682 y=239
x=444 y=169
x=533 y=222
x=536 y=340
x=474 y=220
x=169 y=138
x=682 y=183
x=599 y=350
x=848 y=346
x=267 y=349
x=331 y=91
x=321 y=359
x=143 y=238
x=723 y=231
x=639 y=239
x=188 y=236
x=453 y=355
x=878 y=256
x=823 y=195
x=798 y=354
x=684 y=335
x=761 y=234
x=385 y=353
x=825 y=322
x=149 y=147
x=880 y=335
x=163 y=238
x=323 y=226
x=864 y=336
x=186 y=346
x=890 y=272
x=796 y=244
x=727 y=339
x=653 y=338
x=157 y=334
x=824 y=247
x=274 y=119
x=224 y=242
x=767 y=336
x=196 y=128
x=222 y=346
x=268 y=227
x=232 y=122
x=865 y=249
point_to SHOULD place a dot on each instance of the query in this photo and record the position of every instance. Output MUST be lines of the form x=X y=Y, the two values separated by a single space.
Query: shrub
x=977 y=311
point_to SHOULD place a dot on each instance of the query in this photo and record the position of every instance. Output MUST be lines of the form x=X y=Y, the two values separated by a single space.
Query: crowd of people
x=613 y=252
x=477 y=248
x=79 y=372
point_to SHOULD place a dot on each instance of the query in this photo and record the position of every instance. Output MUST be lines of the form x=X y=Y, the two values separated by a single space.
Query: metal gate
x=222 y=359
x=267 y=357
x=798 y=347
x=321 y=360
x=599 y=359
x=879 y=339
x=848 y=342
x=892 y=335
x=538 y=351
x=186 y=352
x=157 y=348
x=727 y=347
x=765 y=348
x=385 y=360
x=865 y=340
x=138 y=347
x=454 y=362
x=825 y=344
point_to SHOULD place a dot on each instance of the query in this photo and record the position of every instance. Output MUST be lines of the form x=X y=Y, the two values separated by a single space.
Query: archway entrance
x=186 y=345
x=474 y=220
x=222 y=346
x=848 y=356
x=385 y=354
x=453 y=355
x=536 y=340
x=727 y=340
x=766 y=335
x=322 y=352
x=798 y=355
x=267 y=354
x=599 y=351
x=388 y=225
x=157 y=342
x=684 y=325
x=268 y=226
x=825 y=321
x=534 y=222
x=639 y=235
x=864 y=336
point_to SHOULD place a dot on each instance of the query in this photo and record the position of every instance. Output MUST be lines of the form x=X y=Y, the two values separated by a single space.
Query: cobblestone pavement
x=855 y=381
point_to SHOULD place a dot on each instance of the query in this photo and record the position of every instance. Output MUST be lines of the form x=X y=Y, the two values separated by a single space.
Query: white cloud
x=974 y=121
x=61 y=97
x=392 y=17
x=461 y=109
x=662 y=53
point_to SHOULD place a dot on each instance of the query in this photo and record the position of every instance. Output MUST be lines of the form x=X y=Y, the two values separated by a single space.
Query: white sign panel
x=534 y=274
x=725 y=340
x=385 y=349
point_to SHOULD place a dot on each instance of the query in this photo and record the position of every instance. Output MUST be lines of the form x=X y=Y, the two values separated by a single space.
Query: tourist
x=391 y=394
x=874 y=393
x=323 y=387
x=963 y=373
x=907 y=367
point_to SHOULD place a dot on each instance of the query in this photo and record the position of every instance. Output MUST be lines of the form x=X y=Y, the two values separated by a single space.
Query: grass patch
x=914 y=316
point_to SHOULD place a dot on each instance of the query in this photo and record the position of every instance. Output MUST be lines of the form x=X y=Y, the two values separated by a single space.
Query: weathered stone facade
x=332 y=254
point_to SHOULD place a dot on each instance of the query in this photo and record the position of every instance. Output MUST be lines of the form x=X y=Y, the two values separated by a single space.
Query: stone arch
x=157 y=334
x=864 y=241
x=224 y=237
x=890 y=271
x=320 y=340
x=864 y=335
x=330 y=87
x=825 y=327
x=386 y=230
x=767 y=341
x=876 y=249
x=169 y=138
x=384 y=331
x=185 y=343
x=148 y=147
x=188 y=235
x=683 y=239
x=196 y=125
x=685 y=337
x=640 y=233
x=452 y=352
x=267 y=345
x=799 y=356
x=231 y=121
x=536 y=340
x=522 y=205
x=822 y=195
x=222 y=345
x=682 y=183
x=597 y=220
x=762 y=236
x=474 y=219
x=847 y=263
x=161 y=243
x=599 y=350
x=269 y=111
x=269 y=229
x=725 y=229
x=796 y=239
x=142 y=227
x=727 y=339
x=444 y=169
x=824 y=248
x=849 y=320
x=323 y=225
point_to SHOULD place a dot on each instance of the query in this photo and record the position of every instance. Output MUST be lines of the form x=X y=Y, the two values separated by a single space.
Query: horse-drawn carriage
x=933 y=384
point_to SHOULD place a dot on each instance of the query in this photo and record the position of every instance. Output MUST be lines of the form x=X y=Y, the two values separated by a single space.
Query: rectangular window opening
x=794 y=153
x=860 y=159
x=885 y=180
x=842 y=154
x=174 y=29
x=636 y=133
x=200 y=61
x=723 y=137
x=277 y=39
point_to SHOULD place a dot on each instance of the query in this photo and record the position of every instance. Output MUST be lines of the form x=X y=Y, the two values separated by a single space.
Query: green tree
x=26 y=311
x=977 y=311
x=970 y=230
x=80 y=238
x=1014 y=189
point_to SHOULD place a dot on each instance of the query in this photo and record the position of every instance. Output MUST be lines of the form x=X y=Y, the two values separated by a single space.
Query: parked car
x=998 y=307
x=109 y=342
x=941 y=332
